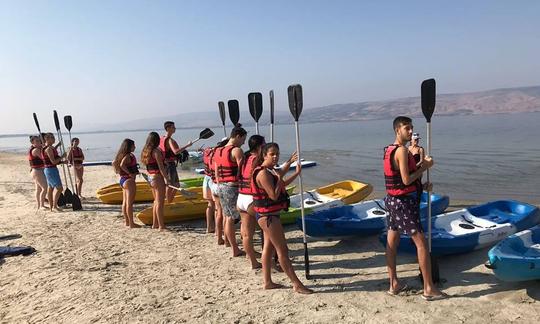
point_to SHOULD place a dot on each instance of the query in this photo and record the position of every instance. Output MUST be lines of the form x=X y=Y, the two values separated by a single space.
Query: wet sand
x=90 y=268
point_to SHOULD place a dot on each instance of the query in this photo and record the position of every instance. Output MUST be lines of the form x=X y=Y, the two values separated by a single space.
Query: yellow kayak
x=176 y=212
x=190 y=182
x=144 y=195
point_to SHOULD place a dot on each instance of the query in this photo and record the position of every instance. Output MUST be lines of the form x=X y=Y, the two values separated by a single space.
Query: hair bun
x=238 y=125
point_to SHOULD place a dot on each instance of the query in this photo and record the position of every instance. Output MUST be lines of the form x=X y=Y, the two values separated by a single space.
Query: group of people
x=247 y=187
x=44 y=160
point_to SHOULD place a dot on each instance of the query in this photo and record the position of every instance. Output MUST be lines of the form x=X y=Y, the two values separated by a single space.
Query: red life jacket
x=392 y=178
x=48 y=163
x=262 y=203
x=132 y=167
x=166 y=150
x=152 y=167
x=35 y=161
x=76 y=153
x=245 y=175
x=207 y=158
x=227 y=169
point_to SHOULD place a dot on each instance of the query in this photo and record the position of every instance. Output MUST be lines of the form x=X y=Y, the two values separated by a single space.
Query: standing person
x=403 y=188
x=36 y=170
x=170 y=149
x=152 y=157
x=207 y=191
x=125 y=164
x=219 y=219
x=269 y=198
x=51 y=159
x=245 y=198
x=76 y=158
x=416 y=150
x=226 y=160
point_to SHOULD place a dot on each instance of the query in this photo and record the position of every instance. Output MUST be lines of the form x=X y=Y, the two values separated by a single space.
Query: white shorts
x=209 y=188
x=243 y=202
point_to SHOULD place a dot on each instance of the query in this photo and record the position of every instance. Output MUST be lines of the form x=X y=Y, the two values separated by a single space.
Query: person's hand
x=298 y=167
x=428 y=186
x=294 y=157
x=190 y=143
x=428 y=162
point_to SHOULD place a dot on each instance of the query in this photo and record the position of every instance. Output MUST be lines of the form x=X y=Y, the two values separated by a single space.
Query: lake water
x=476 y=157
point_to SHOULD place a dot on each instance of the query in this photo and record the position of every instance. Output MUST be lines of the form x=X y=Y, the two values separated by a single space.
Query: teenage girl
x=269 y=198
x=125 y=164
x=51 y=159
x=76 y=158
x=152 y=157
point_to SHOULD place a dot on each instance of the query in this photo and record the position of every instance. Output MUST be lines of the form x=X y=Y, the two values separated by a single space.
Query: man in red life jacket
x=171 y=150
x=403 y=188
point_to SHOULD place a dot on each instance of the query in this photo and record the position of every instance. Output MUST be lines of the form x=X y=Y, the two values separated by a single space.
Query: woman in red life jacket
x=125 y=164
x=227 y=160
x=152 y=157
x=76 y=159
x=51 y=159
x=269 y=198
x=170 y=150
x=37 y=165
x=245 y=198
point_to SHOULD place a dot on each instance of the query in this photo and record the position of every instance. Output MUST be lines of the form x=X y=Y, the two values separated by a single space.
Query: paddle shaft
x=306 y=255
x=64 y=151
x=428 y=126
x=271 y=116
x=72 y=163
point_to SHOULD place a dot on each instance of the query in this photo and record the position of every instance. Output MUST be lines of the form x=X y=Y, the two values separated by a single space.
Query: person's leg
x=57 y=191
x=230 y=233
x=267 y=254
x=210 y=211
x=274 y=231
x=130 y=198
x=50 y=195
x=37 y=188
x=247 y=228
x=392 y=243
x=124 y=204
x=79 y=172
x=42 y=183
x=425 y=264
x=154 y=207
x=219 y=220
x=173 y=175
x=160 y=198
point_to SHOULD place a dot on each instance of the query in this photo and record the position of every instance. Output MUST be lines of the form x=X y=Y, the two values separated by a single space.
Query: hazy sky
x=105 y=61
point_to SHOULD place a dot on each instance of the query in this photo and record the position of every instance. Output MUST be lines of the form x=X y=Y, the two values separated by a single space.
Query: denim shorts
x=53 y=177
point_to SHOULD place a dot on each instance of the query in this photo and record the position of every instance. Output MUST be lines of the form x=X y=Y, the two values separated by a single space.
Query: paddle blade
x=76 y=203
x=61 y=200
x=68 y=196
x=221 y=106
x=295 y=100
x=56 y=121
x=271 y=106
x=37 y=122
x=145 y=176
x=428 y=98
x=234 y=111
x=206 y=133
x=68 y=122
x=255 y=105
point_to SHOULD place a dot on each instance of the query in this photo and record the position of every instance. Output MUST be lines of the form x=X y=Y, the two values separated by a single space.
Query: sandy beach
x=90 y=268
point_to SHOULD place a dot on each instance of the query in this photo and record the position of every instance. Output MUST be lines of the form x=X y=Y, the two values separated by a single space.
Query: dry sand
x=89 y=268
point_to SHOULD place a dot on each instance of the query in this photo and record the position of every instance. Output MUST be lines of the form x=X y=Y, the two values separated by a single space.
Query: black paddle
x=428 y=93
x=76 y=201
x=74 y=205
x=221 y=106
x=255 y=108
x=204 y=134
x=295 y=105
x=234 y=111
x=272 y=116
x=61 y=200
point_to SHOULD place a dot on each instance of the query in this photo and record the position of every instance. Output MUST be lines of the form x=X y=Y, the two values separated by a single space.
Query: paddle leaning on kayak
x=403 y=187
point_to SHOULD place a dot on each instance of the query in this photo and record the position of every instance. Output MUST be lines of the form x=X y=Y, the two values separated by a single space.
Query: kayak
x=517 y=258
x=334 y=195
x=475 y=227
x=361 y=219
x=190 y=182
x=187 y=209
x=143 y=195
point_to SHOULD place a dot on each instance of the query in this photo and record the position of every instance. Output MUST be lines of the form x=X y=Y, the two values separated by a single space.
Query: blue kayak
x=364 y=218
x=475 y=227
x=517 y=258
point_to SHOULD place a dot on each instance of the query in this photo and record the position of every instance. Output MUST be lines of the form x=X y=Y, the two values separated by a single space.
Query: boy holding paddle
x=404 y=188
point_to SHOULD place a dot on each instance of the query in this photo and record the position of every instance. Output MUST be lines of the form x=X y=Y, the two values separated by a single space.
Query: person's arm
x=265 y=181
x=159 y=158
x=50 y=154
x=175 y=148
x=70 y=155
x=402 y=160
x=287 y=165
x=290 y=179
x=38 y=155
x=238 y=156
x=124 y=164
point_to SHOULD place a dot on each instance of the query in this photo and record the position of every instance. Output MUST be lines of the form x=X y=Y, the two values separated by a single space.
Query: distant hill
x=498 y=101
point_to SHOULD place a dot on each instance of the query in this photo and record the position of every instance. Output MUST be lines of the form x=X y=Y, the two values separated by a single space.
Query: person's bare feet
x=134 y=226
x=302 y=290
x=239 y=253
x=256 y=265
x=220 y=241
x=57 y=210
x=272 y=285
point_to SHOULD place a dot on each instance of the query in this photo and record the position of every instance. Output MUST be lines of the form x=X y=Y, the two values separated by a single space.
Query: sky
x=113 y=61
